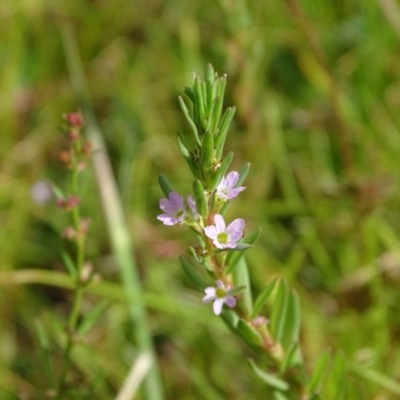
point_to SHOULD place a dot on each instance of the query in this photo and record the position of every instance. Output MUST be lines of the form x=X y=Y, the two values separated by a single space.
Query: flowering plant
x=221 y=248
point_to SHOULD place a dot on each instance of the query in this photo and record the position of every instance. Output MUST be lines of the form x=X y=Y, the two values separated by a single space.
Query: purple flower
x=220 y=295
x=226 y=189
x=225 y=237
x=174 y=208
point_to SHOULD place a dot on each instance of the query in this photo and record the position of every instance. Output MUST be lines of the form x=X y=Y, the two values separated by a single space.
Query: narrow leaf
x=318 y=373
x=44 y=344
x=69 y=264
x=243 y=173
x=231 y=319
x=189 y=120
x=223 y=130
x=234 y=257
x=241 y=278
x=92 y=317
x=215 y=114
x=199 y=103
x=269 y=379
x=207 y=151
x=189 y=93
x=292 y=323
x=200 y=198
x=249 y=334
x=197 y=280
x=186 y=154
x=262 y=298
x=165 y=185
x=279 y=311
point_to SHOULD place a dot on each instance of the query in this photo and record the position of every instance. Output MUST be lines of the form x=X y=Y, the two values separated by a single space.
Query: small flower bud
x=74 y=119
x=69 y=233
x=87 y=272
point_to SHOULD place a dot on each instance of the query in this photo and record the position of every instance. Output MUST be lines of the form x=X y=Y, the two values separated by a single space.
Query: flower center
x=220 y=293
x=222 y=238
x=179 y=213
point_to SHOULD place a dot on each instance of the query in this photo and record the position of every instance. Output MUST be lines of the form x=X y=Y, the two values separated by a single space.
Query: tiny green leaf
x=249 y=334
x=165 y=185
x=207 y=151
x=189 y=93
x=69 y=264
x=210 y=80
x=197 y=280
x=289 y=357
x=199 y=103
x=223 y=130
x=200 y=198
x=279 y=396
x=231 y=319
x=234 y=257
x=92 y=317
x=292 y=323
x=269 y=379
x=196 y=256
x=186 y=154
x=241 y=278
x=279 y=311
x=243 y=173
x=262 y=298
x=215 y=114
x=189 y=120
x=318 y=373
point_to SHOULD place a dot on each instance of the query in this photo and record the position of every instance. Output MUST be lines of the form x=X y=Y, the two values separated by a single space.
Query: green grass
x=317 y=97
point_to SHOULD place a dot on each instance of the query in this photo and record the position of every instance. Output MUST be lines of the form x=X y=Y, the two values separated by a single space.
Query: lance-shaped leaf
x=233 y=258
x=270 y=379
x=210 y=82
x=44 y=344
x=318 y=373
x=262 y=298
x=200 y=198
x=334 y=387
x=165 y=185
x=280 y=396
x=207 y=151
x=221 y=84
x=231 y=319
x=69 y=264
x=215 y=114
x=91 y=318
x=186 y=154
x=279 y=311
x=195 y=255
x=199 y=103
x=249 y=334
x=220 y=172
x=292 y=322
x=241 y=278
x=243 y=174
x=290 y=358
x=189 y=93
x=197 y=280
x=223 y=130
x=189 y=120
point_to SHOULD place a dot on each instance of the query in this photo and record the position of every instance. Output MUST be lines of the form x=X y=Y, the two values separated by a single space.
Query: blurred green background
x=317 y=91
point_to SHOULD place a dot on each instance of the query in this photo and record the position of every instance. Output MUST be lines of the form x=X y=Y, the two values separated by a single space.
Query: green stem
x=118 y=230
x=79 y=284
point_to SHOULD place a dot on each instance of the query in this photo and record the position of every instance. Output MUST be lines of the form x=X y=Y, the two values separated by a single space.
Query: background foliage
x=316 y=86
